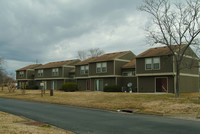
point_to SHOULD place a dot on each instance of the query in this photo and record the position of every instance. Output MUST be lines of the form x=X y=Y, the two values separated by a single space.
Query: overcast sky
x=54 y=30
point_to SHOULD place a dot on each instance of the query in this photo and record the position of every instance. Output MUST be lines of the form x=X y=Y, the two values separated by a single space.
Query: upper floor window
x=152 y=63
x=55 y=71
x=84 y=69
x=21 y=74
x=156 y=63
x=101 y=67
x=148 y=63
x=40 y=73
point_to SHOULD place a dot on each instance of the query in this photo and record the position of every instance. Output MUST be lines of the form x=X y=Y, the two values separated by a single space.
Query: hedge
x=112 y=88
x=69 y=87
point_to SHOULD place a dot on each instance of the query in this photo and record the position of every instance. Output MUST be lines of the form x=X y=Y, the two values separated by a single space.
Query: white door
x=53 y=85
x=99 y=85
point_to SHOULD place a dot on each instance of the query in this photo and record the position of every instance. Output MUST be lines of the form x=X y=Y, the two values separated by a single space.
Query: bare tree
x=174 y=25
x=10 y=82
x=95 y=52
x=82 y=55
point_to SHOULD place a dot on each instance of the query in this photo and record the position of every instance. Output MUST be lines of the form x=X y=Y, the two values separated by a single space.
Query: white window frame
x=156 y=63
x=55 y=72
x=152 y=63
x=40 y=73
x=21 y=74
x=82 y=70
x=100 y=66
x=86 y=69
x=146 y=60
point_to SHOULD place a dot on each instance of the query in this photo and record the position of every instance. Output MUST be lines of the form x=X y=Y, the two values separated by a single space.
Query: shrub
x=32 y=87
x=69 y=87
x=112 y=88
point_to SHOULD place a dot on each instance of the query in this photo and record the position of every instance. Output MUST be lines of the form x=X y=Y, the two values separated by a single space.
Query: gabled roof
x=110 y=56
x=56 y=64
x=33 y=66
x=84 y=62
x=158 y=51
x=105 y=57
x=131 y=64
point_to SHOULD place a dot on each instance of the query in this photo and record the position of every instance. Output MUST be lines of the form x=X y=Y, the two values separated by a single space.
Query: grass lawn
x=188 y=105
x=11 y=124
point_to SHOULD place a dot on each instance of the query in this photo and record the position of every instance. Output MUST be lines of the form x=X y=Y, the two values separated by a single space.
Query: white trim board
x=59 y=78
x=155 y=74
x=161 y=74
x=122 y=60
x=190 y=75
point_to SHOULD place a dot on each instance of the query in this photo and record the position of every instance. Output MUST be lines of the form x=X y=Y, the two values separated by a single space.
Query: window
x=101 y=67
x=21 y=74
x=152 y=63
x=55 y=71
x=156 y=63
x=98 y=67
x=104 y=67
x=84 y=69
x=40 y=73
x=148 y=63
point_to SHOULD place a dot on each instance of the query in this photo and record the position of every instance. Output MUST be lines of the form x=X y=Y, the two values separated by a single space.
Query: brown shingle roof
x=131 y=64
x=158 y=51
x=105 y=57
x=84 y=62
x=56 y=64
x=109 y=56
x=33 y=66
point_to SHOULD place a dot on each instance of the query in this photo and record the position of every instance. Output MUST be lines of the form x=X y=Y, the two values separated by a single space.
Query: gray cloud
x=50 y=30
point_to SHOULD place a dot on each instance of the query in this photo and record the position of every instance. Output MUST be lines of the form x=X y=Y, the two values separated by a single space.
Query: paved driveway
x=90 y=121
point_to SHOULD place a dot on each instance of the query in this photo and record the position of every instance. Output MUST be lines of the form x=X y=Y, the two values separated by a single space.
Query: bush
x=112 y=88
x=32 y=87
x=69 y=87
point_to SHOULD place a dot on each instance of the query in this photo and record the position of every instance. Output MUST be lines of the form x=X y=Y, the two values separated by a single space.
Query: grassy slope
x=11 y=124
x=163 y=104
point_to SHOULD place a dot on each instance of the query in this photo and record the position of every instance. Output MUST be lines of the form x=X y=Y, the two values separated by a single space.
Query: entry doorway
x=161 y=85
x=54 y=85
x=99 y=85
x=88 y=84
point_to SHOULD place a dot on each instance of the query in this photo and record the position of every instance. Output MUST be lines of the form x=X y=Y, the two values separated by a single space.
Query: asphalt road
x=90 y=121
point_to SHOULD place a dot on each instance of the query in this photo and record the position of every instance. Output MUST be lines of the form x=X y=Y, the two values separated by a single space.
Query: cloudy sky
x=54 y=30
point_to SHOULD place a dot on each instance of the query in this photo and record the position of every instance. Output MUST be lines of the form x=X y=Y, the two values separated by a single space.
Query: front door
x=88 y=84
x=45 y=84
x=161 y=84
x=99 y=85
x=54 y=85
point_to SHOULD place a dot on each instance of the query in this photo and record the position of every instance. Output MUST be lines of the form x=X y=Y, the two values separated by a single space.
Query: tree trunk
x=177 y=80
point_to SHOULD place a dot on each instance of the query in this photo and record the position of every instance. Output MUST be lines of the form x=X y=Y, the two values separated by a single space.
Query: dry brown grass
x=11 y=124
x=162 y=104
